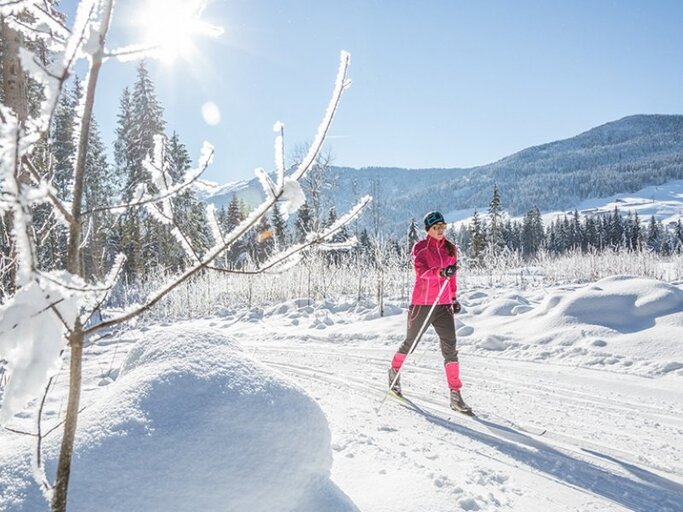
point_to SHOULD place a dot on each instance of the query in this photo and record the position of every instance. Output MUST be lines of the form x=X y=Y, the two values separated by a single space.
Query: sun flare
x=171 y=26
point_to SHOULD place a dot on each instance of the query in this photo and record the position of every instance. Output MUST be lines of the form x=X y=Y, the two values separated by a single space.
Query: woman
x=435 y=260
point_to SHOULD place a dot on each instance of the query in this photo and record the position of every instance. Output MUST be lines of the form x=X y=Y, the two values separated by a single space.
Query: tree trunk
x=74 y=266
x=69 y=436
x=13 y=77
x=14 y=93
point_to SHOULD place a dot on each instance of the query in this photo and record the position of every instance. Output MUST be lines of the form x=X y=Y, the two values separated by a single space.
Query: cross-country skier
x=435 y=260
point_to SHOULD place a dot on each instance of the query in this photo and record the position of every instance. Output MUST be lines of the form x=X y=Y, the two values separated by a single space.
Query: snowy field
x=578 y=391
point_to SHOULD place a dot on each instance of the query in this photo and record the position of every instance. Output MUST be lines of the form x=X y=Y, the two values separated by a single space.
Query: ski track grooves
x=579 y=397
x=647 y=491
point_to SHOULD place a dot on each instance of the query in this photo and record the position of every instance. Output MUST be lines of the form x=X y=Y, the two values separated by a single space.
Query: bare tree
x=69 y=296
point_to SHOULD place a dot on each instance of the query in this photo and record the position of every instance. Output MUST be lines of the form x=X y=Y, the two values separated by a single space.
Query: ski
x=485 y=419
x=407 y=402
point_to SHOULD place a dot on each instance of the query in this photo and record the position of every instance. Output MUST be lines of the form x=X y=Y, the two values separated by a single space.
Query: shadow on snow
x=650 y=492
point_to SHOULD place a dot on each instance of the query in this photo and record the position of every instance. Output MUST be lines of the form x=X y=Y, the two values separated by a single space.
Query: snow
x=191 y=423
x=578 y=390
x=31 y=340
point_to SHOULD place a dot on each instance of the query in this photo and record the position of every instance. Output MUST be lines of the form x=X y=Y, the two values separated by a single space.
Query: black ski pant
x=442 y=321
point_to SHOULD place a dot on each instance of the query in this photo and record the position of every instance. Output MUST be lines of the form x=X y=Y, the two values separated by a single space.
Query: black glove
x=456 y=306
x=449 y=271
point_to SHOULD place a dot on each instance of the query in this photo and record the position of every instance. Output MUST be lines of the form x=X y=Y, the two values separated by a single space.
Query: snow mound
x=194 y=424
x=624 y=323
x=622 y=303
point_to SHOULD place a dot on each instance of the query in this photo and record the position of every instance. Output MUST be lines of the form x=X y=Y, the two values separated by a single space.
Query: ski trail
x=550 y=394
x=633 y=486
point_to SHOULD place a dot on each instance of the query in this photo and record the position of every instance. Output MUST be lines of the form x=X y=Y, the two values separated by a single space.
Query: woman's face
x=437 y=231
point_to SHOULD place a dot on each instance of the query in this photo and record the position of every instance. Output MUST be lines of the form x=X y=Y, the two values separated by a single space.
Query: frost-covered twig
x=56 y=202
x=34 y=315
x=290 y=192
x=313 y=239
x=340 y=84
x=190 y=178
x=109 y=281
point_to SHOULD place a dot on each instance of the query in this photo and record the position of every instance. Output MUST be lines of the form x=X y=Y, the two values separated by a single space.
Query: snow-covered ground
x=578 y=391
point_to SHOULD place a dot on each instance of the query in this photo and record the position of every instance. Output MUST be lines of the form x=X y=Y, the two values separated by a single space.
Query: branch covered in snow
x=283 y=259
x=143 y=197
x=289 y=194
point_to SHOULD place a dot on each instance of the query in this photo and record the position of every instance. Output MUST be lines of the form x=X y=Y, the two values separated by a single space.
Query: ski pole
x=414 y=344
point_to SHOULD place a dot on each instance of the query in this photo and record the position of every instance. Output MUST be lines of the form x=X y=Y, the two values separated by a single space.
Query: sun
x=170 y=27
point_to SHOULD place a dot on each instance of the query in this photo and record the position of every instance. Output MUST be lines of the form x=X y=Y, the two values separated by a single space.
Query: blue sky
x=435 y=83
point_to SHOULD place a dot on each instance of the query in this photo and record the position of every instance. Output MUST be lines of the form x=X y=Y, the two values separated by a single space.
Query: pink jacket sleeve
x=422 y=268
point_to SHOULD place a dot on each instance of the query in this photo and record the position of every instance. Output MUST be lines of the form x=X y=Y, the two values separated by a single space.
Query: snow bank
x=620 y=303
x=194 y=424
x=622 y=322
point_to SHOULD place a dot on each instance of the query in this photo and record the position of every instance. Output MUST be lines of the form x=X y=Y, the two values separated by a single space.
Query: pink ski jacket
x=429 y=257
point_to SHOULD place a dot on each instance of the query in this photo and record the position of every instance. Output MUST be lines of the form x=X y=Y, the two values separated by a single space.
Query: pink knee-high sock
x=397 y=361
x=453 y=376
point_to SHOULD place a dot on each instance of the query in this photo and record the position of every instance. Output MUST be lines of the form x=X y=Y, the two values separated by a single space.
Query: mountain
x=618 y=157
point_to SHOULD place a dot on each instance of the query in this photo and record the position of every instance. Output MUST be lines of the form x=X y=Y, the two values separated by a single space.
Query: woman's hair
x=450 y=246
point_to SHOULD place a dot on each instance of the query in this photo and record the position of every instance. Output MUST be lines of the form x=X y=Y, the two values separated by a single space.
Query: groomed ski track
x=547 y=437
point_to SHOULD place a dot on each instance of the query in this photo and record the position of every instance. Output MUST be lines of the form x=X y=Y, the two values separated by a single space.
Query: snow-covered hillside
x=578 y=390
x=664 y=202
x=612 y=160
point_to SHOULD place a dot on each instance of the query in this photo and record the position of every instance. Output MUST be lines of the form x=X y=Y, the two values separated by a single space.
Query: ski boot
x=458 y=404
x=396 y=388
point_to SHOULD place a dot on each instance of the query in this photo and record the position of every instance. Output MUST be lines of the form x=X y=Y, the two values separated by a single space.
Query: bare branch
x=21 y=432
x=38 y=461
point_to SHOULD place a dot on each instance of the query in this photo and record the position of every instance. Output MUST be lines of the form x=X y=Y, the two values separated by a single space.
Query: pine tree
x=63 y=153
x=279 y=226
x=63 y=145
x=147 y=116
x=189 y=213
x=413 y=233
x=261 y=246
x=532 y=233
x=364 y=242
x=511 y=236
x=478 y=241
x=616 y=229
x=233 y=214
x=303 y=222
x=678 y=231
x=140 y=120
x=654 y=235
x=232 y=218
x=123 y=145
x=576 y=238
x=98 y=192
x=495 y=231
x=590 y=233
x=340 y=236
